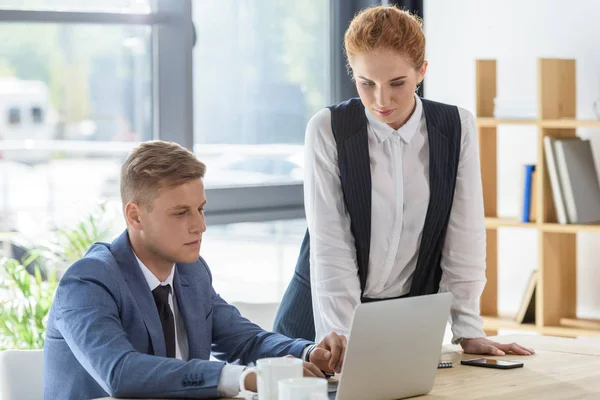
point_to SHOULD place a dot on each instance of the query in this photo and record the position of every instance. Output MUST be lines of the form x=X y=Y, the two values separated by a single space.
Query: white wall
x=517 y=33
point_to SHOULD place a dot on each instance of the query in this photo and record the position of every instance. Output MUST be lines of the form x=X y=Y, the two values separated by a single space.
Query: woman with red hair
x=393 y=194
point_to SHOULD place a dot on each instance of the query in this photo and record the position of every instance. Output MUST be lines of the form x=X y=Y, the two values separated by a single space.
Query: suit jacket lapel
x=189 y=304
x=142 y=295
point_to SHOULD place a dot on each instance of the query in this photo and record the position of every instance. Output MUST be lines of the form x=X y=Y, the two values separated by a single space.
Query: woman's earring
x=418 y=89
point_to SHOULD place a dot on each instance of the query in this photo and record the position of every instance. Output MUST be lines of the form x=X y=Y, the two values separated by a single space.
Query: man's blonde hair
x=156 y=164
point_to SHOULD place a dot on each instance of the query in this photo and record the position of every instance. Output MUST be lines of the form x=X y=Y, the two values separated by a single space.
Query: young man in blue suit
x=137 y=317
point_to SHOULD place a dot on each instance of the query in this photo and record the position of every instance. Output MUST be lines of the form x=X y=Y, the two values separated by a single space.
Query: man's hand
x=310 y=370
x=329 y=353
x=250 y=383
x=488 y=347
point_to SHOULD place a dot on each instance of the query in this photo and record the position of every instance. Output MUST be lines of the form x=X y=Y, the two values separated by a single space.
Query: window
x=96 y=84
x=260 y=72
x=260 y=268
x=81 y=79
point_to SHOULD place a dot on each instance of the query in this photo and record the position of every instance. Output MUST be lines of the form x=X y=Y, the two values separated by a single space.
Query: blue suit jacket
x=104 y=336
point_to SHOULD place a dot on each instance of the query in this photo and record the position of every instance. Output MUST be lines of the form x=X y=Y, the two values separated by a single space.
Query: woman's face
x=386 y=82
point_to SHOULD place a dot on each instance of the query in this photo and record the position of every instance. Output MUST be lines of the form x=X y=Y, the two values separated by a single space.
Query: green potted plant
x=24 y=313
x=28 y=286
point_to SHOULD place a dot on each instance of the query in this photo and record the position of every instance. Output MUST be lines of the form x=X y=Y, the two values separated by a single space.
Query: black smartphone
x=490 y=363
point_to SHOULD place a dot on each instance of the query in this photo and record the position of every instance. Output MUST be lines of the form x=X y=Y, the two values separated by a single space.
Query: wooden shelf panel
x=492 y=122
x=494 y=223
x=580 y=323
x=569 y=123
x=546 y=123
x=570 y=228
x=567 y=331
x=497 y=323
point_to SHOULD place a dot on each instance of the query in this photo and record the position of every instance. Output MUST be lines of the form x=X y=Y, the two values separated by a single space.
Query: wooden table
x=561 y=369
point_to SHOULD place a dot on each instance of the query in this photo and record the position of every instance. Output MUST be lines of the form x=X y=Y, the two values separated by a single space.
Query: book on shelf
x=528 y=193
x=555 y=185
x=578 y=179
x=532 y=206
x=526 y=313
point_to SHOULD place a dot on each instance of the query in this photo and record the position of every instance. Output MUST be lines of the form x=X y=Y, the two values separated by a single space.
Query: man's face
x=172 y=229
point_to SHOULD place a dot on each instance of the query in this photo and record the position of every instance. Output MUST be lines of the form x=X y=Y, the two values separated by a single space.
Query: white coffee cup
x=303 y=389
x=269 y=371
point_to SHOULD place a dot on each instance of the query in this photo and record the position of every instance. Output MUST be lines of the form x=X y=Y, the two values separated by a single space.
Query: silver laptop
x=394 y=348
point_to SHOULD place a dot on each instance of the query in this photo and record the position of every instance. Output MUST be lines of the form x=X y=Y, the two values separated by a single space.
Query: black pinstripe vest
x=349 y=125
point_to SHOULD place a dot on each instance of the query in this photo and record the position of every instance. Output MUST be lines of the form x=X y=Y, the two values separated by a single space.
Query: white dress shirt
x=400 y=196
x=228 y=385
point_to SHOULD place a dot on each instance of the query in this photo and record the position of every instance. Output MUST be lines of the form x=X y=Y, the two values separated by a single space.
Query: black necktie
x=161 y=298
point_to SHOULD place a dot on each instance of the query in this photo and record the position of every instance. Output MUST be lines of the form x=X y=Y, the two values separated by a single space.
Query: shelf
x=487 y=122
x=492 y=122
x=569 y=123
x=583 y=327
x=495 y=223
x=496 y=323
x=592 y=324
x=570 y=228
x=568 y=332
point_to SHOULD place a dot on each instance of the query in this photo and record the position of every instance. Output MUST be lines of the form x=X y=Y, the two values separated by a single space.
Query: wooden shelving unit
x=557 y=291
